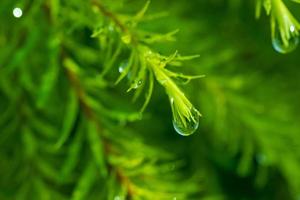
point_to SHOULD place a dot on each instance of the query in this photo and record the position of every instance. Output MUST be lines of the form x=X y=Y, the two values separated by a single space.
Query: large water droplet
x=191 y=125
x=285 y=45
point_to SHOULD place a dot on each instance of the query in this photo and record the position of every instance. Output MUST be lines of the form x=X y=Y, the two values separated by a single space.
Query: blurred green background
x=66 y=132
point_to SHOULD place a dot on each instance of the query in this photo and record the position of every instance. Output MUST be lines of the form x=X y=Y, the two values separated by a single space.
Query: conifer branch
x=144 y=61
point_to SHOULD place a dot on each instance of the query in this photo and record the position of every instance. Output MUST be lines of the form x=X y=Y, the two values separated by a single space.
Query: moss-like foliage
x=101 y=99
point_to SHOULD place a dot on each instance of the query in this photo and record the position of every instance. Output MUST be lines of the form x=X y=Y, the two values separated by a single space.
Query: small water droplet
x=122 y=66
x=138 y=84
x=285 y=45
x=189 y=126
x=17 y=12
x=148 y=55
x=122 y=69
x=292 y=28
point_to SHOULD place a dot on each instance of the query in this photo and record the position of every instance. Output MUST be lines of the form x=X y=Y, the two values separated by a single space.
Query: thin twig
x=110 y=15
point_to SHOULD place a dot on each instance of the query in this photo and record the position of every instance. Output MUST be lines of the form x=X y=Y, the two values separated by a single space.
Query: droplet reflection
x=187 y=126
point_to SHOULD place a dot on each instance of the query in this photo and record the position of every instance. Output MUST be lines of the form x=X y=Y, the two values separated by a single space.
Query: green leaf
x=72 y=112
x=48 y=82
x=112 y=60
x=73 y=155
x=85 y=183
x=127 y=69
x=29 y=142
x=96 y=146
x=138 y=17
x=149 y=92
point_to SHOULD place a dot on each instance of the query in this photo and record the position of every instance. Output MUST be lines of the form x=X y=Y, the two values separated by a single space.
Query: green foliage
x=84 y=91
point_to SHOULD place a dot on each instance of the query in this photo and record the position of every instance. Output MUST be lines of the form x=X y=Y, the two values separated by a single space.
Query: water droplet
x=123 y=69
x=149 y=55
x=292 y=28
x=285 y=45
x=122 y=66
x=17 y=12
x=138 y=84
x=189 y=125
